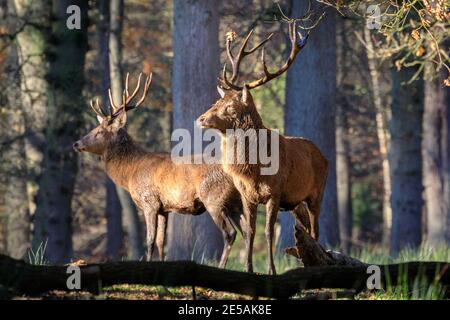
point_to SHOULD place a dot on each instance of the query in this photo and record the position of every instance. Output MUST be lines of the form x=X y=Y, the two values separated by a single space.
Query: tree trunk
x=436 y=160
x=16 y=200
x=31 y=48
x=195 y=71
x=310 y=111
x=113 y=210
x=343 y=165
x=114 y=228
x=129 y=211
x=343 y=179
x=382 y=134
x=406 y=160
x=66 y=53
x=18 y=226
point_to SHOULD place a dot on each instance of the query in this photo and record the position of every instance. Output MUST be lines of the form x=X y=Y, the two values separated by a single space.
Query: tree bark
x=113 y=210
x=195 y=70
x=310 y=111
x=18 y=224
x=129 y=211
x=343 y=165
x=382 y=134
x=343 y=180
x=32 y=40
x=406 y=160
x=66 y=56
x=32 y=279
x=436 y=160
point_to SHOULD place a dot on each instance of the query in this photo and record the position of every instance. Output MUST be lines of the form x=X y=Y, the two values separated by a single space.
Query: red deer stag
x=156 y=184
x=302 y=172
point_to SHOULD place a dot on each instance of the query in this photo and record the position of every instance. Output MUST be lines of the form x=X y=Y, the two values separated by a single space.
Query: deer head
x=236 y=107
x=111 y=123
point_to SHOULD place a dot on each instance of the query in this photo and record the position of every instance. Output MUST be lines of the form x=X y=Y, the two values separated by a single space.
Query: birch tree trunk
x=436 y=160
x=195 y=71
x=382 y=134
x=113 y=210
x=129 y=211
x=310 y=111
x=406 y=160
x=66 y=56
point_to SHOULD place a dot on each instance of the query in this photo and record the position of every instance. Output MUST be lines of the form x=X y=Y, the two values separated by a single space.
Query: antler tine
x=148 y=82
x=126 y=83
x=96 y=107
x=99 y=107
x=236 y=61
x=112 y=105
x=124 y=96
x=258 y=45
x=224 y=79
x=136 y=90
x=263 y=61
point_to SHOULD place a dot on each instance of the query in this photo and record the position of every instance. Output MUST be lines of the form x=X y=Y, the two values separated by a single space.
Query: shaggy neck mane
x=251 y=120
x=120 y=158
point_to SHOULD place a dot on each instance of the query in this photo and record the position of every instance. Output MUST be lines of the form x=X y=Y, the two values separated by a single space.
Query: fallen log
x=33 y=279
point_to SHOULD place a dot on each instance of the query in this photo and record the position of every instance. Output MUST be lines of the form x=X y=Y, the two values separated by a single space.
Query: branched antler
x=114 y=110
x=297 y=43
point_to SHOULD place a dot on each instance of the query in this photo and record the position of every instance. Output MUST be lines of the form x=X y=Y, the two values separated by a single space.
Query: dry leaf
x=79 y=262
x=420 y=52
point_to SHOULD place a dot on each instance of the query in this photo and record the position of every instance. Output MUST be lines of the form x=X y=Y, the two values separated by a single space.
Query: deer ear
x=245 y=94
x=221 y=91
x=99 y=119
x=120 y=120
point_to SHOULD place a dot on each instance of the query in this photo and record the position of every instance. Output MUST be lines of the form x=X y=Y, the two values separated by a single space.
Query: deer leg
x=248 y=225
x=272 y=208
x=151 y=220
x=229 y=236
x=228 y=233
x=161 y=234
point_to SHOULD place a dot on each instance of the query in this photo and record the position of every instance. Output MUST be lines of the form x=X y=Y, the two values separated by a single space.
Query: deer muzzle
x=205 y=122
x=78 y=146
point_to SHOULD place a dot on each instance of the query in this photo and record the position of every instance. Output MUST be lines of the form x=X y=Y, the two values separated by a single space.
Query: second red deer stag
x=158 y=185
x=302 y=172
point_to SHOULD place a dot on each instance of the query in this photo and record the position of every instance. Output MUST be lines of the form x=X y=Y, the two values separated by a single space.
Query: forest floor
x=405 y=291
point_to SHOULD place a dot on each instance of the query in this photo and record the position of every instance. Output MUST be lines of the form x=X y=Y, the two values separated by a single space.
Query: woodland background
x=376 y=101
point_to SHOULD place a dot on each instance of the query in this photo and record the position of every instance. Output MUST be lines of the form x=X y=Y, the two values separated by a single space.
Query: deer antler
x=296 y=46
x=236 y=61
x=114 y=110
x=97 y=108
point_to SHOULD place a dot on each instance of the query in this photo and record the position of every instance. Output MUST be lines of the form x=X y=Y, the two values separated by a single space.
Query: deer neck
x=245 y=128
x=251 y=120
x=120 y=159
